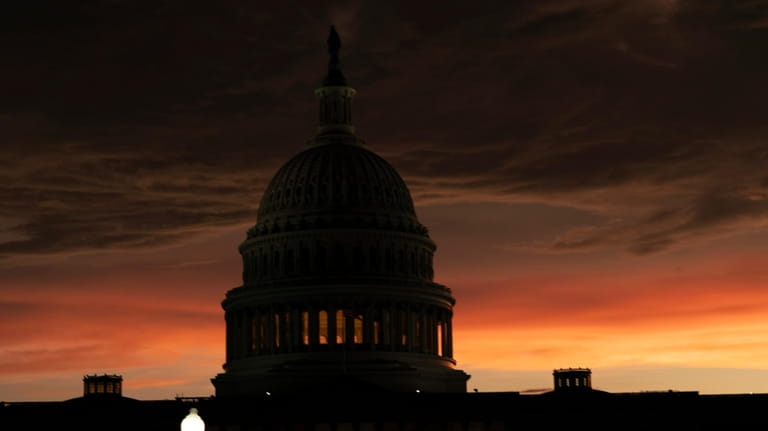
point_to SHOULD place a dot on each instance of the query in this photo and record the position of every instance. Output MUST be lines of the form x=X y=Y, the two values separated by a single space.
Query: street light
x=192 y=422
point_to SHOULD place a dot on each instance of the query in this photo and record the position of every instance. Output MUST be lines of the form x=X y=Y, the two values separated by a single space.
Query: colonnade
x=398 y=327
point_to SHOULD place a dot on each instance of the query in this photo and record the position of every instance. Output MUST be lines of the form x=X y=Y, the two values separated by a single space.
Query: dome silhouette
x=338 y=284
x=336 y=180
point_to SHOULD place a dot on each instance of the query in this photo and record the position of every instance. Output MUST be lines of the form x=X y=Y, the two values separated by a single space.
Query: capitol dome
x=336 y=179
x=338 y=290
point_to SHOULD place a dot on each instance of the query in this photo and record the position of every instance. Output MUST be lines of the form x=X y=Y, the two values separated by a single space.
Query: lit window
x=403 y=328
x=340 y=327
x=376 y=333
x=323 y=316
x=440 y=338
x=305 y=327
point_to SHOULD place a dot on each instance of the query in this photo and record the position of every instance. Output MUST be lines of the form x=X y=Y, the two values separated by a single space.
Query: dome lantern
x=335 y=99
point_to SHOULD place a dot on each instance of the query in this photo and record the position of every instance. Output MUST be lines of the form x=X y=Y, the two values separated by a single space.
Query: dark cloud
x=131 y=124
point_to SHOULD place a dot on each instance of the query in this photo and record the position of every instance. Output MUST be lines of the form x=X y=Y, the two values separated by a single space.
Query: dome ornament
x=334 y=77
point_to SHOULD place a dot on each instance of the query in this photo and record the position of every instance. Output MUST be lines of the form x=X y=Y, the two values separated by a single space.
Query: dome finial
x=334 y=77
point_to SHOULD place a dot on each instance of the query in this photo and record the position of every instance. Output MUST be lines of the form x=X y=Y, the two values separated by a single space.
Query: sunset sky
x=594 y=172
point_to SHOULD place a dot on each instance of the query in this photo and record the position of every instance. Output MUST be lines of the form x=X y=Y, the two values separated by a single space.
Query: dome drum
x=325 y=252
x=314 y=327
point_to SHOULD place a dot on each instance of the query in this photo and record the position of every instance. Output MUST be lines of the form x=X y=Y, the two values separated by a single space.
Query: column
x=270 y=332
x=443 y=333
x=242 y=339
x=296 y=342
x=424 y=324
x=411 y=328
x=349 y=327
x=369 y=318
x=256 y=316
x=284 y=330
x=249 y=332
x=229 y=329
x=236 y=334
x=314 y=329
x=393 y=328
x=449 y=336
x=432 y=331
x=331 y=325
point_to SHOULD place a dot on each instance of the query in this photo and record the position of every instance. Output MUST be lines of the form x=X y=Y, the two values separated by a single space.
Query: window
x=440 y=338
x=305 y=327
x=340 y=327
x=323 y=316
x=403 y=328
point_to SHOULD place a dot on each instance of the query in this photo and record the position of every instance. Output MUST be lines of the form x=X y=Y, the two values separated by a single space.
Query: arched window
x=440 y=338
x=340 y=327
x=403 y=325
x=323 y=326
x=305 y=328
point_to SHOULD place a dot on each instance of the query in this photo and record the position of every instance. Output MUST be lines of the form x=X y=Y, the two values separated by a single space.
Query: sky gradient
x=595 y=174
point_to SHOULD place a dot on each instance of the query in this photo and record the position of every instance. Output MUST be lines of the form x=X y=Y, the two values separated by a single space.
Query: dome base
x=336 y=374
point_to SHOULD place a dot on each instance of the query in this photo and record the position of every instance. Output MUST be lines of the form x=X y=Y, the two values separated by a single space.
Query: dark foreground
x=401 y=412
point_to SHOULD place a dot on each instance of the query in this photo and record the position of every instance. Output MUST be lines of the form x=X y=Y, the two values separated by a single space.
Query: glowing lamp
x=192 y=422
